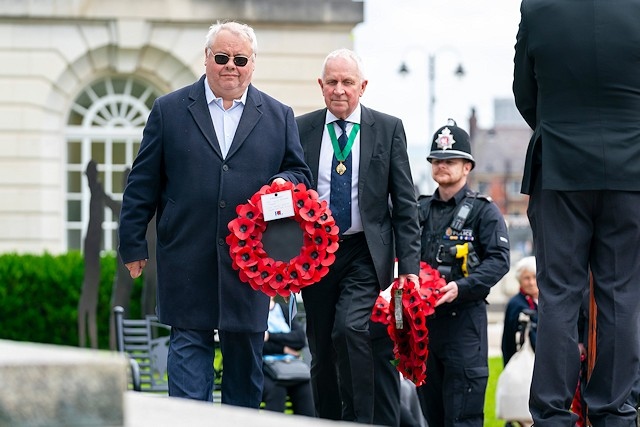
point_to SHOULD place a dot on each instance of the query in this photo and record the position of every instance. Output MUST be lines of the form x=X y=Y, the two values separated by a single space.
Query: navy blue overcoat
x=180 y=173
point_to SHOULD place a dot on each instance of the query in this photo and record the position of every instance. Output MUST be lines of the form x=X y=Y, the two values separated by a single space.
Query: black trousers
x=457 y=367
x=338 y=311
x=575 y=232
x=387 y=406
x=275 y=397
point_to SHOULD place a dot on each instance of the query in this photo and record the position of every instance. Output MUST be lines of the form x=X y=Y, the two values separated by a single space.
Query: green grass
x=495 y=368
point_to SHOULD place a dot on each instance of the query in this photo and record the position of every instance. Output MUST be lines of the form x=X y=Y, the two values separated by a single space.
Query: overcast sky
x=478 y=34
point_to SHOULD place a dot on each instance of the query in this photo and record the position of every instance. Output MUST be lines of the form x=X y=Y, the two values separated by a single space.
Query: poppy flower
x=248 y=211
x=328 y=259
x=280 y=278
x=242 y=227
x=380 y=311
x=236 y=243
x=245 y=257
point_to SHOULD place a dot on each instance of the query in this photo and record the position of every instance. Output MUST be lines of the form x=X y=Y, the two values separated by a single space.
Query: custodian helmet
x=451 y=142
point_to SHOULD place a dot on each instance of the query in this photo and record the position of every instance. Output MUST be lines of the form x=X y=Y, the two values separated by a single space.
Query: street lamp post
x=431 y=64
x=428 y=181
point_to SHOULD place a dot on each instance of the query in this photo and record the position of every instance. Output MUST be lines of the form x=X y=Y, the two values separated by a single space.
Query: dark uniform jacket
x=484 y=228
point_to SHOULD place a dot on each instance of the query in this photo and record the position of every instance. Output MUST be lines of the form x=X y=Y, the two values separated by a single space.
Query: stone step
x=55 y=386
x=47 y=385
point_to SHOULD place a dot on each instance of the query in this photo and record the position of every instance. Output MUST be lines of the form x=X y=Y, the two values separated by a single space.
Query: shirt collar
x=211 y=97
x=354 y=117
x=457 y=198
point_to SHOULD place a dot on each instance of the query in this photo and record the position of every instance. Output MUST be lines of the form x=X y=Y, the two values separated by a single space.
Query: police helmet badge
x=442 y=146
x=445 y=139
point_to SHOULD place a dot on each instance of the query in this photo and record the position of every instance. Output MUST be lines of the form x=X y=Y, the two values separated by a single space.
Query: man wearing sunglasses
x=205 y=149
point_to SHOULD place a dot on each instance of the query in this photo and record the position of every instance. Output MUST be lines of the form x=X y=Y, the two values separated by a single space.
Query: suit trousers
x=574 y=232
x=190 y=366
x=338 y=310
x=386 y=378
x=457 y=367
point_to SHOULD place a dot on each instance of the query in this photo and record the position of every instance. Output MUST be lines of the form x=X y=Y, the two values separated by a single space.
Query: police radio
x=461 y=216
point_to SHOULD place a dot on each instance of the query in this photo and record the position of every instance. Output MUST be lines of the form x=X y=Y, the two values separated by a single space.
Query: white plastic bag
x=512 y=392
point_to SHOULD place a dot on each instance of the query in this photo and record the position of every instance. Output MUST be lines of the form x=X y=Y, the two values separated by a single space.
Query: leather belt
x=346 y=237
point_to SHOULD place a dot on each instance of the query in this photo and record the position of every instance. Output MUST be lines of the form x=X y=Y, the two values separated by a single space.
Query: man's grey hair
x=237 y=28
x=347 y=54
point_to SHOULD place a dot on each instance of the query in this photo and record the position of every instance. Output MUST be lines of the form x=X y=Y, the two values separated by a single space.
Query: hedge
x=39 y=297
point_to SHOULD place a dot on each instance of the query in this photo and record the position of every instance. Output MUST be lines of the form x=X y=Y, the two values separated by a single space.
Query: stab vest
x=439 y=247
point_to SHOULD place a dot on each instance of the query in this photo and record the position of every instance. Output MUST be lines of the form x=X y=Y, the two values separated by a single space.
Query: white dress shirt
x=225 y=122
x=325 y=165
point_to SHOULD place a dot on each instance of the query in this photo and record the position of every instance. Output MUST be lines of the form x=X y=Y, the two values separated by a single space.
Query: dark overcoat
x=181 y=173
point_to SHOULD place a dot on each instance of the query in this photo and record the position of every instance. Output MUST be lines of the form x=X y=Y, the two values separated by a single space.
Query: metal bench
x=146 y=343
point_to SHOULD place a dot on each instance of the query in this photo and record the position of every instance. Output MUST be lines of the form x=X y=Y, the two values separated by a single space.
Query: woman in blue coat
x=526 y=300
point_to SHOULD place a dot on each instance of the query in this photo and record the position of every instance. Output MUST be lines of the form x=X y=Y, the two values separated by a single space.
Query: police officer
x=465 y=237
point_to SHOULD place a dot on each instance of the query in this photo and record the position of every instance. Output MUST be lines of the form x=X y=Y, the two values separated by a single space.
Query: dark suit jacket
x=180 y=172
x=385 y=176
x=577 y=84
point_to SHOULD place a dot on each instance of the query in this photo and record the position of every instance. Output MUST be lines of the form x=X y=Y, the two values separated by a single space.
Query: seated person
x=280 y=339
x=524 y=301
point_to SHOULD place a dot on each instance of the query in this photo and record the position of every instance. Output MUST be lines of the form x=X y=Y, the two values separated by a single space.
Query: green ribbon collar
x=342 y=155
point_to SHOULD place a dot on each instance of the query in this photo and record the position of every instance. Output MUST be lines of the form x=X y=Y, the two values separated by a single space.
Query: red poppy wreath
x=410 y=343
x=263 y=273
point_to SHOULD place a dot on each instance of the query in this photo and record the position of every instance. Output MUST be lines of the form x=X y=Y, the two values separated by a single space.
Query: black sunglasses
x=239 y=61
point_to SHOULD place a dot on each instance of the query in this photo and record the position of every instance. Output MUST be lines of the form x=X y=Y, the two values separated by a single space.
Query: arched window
x=105 y=125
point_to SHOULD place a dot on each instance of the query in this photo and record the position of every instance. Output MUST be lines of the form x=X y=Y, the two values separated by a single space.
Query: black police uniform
x=457 y=365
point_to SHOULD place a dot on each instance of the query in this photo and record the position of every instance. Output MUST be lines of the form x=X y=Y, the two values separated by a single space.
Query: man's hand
x=402 y=279
x=135 y=268
x=279 y=181
x=289 y=350
x=448 y=293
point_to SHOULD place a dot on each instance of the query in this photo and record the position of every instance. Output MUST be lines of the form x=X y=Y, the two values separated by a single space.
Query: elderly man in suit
x=359 y=160
x=207 y=148
x=576 y=83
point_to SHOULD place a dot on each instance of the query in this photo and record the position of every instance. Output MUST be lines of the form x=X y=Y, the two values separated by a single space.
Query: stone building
x=78 y=79
x=500 y=154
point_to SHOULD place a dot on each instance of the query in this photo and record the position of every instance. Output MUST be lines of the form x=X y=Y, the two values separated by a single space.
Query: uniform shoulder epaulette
x=424 y=196
x=484 y=197
x=480 y=196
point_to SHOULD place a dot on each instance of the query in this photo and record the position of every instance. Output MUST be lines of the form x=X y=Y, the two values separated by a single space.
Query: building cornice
x=291 y=12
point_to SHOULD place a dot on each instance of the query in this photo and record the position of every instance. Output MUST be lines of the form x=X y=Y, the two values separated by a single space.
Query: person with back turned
x=576 y=83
